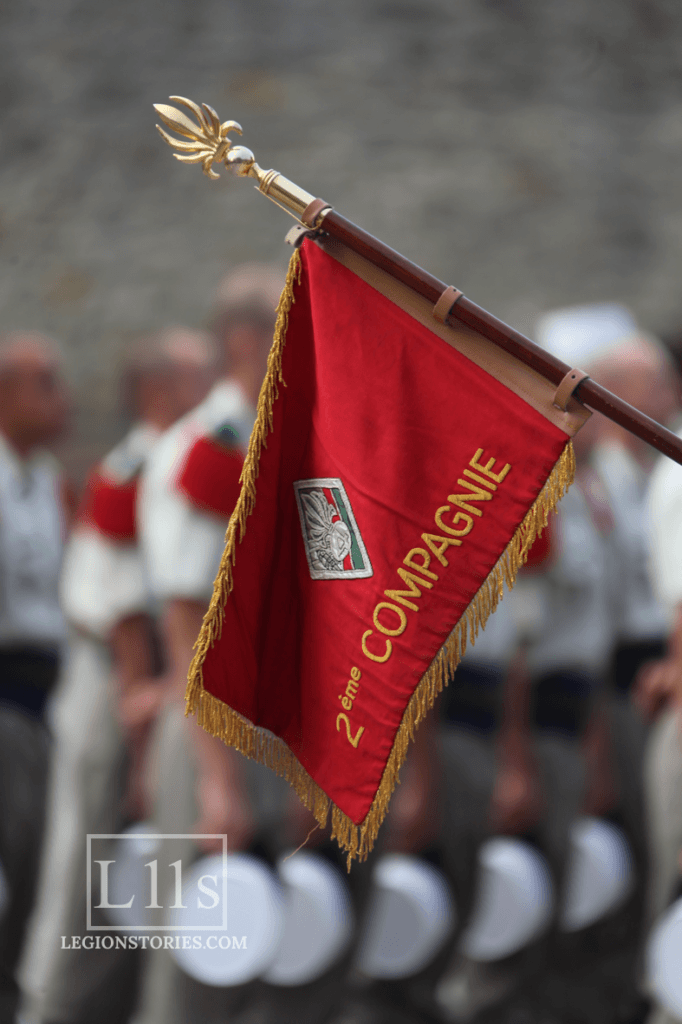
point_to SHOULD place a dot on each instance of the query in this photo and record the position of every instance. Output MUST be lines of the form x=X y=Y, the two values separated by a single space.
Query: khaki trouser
x=663 y=786
x=23 y=776
x=84 y=796
x=663 y=783
x=172 y=779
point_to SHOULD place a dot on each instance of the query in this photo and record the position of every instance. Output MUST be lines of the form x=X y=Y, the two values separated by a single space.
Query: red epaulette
x=210 y=476
x=109 y=507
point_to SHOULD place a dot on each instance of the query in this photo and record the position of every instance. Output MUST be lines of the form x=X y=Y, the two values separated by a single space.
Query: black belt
x=27 y=677
x=561 y=701
x=473 y=696
x=628 y=658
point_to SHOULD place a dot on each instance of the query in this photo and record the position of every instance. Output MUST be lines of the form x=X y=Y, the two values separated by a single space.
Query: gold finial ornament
x=210 y=145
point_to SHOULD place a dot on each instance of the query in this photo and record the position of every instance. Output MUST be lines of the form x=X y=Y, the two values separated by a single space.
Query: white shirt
x=182 y=546
x=665 y=532
x=103 y=580
x=31 y=542
x=565 y=611
x=640 y=615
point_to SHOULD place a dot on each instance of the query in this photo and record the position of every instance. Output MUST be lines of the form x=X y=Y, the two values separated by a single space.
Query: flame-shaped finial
x=209 y=138
x=210 y=145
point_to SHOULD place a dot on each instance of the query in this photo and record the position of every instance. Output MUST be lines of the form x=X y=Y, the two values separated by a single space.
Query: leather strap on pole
x=567 y=386
x=445 y=303
x=311 y=214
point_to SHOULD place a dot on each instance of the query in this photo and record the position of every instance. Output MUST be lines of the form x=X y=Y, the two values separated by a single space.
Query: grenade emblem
x=333 y=544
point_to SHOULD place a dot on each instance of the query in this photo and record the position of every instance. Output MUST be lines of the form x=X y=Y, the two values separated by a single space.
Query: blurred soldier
x=622 y=610
x=33 y=413
x=561 y=607
x=189 y=489
x=105 y=703
x=553 y=761
x=659 y=693
x=640 y=370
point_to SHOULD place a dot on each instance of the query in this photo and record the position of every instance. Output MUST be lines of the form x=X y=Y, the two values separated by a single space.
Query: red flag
x=397 y=474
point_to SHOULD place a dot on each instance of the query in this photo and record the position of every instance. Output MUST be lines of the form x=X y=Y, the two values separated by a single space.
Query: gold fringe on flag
x=220 y=720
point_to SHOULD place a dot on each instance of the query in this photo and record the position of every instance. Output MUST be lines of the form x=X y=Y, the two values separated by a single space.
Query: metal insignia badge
x=333 y=544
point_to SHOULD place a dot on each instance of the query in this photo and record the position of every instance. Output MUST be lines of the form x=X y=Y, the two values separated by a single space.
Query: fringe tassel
x=220 y=720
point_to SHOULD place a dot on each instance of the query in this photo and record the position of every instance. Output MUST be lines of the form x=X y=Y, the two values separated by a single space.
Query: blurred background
x=526 y=151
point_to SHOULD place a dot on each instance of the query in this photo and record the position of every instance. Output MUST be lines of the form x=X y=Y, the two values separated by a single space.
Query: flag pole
x=208 y=143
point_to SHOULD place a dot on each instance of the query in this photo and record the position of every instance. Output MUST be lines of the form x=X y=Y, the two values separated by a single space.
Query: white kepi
x=514 y=900
x=599 y=874
x=318 y=919
x=664 y=960
x=228 y=931
x=582 y=334
x=409 y=917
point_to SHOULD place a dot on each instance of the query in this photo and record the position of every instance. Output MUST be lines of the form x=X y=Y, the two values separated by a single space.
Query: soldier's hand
x=140 y=703
x=223 y=810
x=658 y=684
x=414 y=818
x=517 y=800
x=602 y=786
x=222 y=797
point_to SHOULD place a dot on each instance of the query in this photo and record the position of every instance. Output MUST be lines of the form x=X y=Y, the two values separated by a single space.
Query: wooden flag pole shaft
x=209 y=144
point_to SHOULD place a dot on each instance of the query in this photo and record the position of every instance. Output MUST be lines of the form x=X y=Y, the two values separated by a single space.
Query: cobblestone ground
x=526 y=150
